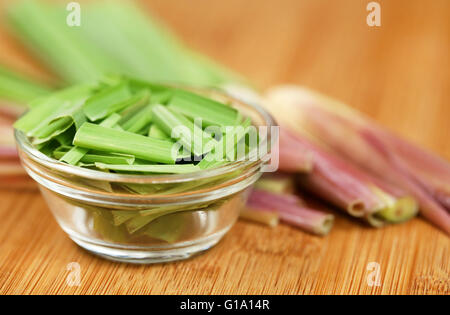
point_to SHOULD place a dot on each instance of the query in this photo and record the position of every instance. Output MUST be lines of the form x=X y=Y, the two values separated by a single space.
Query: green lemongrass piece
x=211 y=112
x=201 y=141
x=193 y=137
x=96 y=137
x=66 y=137
x=396 y=210
x=403 y=210
x=120 y=217
x=53 y=115
x=228 y=143
x=142 y=189
x=49 y=147
x=91 y=159
x=138 y=222
x=112 y=158
x=18 y=88
x=157 y=133
x=163 y=169
x=161 y=97
x=168 y=227
x=171 y=209
x=139 y=120
x=104 y=225
x=75 y=154
x=107 y=101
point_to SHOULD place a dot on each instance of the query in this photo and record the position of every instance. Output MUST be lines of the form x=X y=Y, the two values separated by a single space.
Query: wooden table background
x=397 y=73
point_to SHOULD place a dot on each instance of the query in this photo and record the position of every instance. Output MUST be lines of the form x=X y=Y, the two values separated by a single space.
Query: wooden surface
x=398 y=73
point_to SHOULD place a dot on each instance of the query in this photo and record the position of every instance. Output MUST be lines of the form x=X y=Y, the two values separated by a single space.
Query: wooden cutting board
x=398 y=73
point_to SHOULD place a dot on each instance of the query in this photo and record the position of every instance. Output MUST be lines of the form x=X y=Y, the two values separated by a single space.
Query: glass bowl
x=147 y=218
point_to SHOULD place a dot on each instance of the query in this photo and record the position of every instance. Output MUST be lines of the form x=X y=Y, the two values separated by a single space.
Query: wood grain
x=398 y=73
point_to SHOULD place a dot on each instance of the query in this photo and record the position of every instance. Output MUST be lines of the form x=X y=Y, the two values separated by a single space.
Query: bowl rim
x=24 y=145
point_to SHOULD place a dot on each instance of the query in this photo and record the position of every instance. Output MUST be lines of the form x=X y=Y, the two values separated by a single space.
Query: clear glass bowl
x=146 y=218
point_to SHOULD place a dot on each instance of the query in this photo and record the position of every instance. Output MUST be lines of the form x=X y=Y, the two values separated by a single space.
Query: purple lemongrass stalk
x=294 y=213
x=361 y=141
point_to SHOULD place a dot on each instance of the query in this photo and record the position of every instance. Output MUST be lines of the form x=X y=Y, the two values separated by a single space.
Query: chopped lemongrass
x=163 y=169
x=174 y=124
x=157 y=133
x=139 y=120
x=52 y=115
x=226 y=149
x=96 y=137
x=211 y=112
x=91 y=159
x=114 y=126
x=168 y=227
x=113 y=99
x=75 y=154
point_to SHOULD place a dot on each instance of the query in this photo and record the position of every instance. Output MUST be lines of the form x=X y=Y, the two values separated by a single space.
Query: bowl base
x=150 y=255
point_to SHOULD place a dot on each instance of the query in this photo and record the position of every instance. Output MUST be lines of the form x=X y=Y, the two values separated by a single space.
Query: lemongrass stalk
x=8 y=152
x=39 y=25
x=259 y=196
x=276 y=183
x=292 y=159
x=337 y=181
x=19 y=89
x=6 y=135
x=292 y=210
x=359 y=140
x=263 y=216
x=308 y=219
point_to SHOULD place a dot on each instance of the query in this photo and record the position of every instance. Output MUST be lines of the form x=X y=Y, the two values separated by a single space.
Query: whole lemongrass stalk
x=344 y=185
x=330 y=177
x=358 y=139
x=291 y=209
